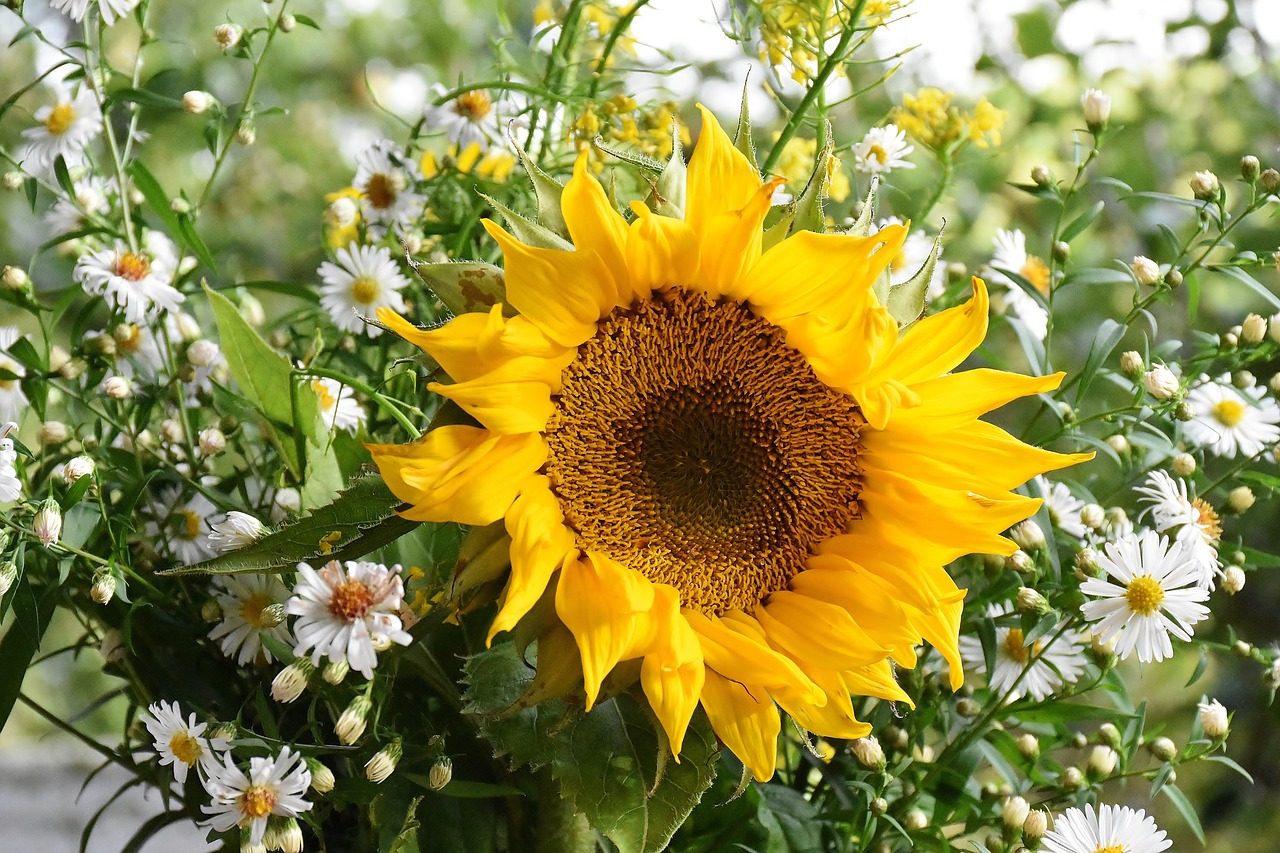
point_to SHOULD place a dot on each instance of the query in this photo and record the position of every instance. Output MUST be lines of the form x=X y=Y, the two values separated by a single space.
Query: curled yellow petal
x=672 y=674
x=514 y=397
x=816 y=632
x=746 y=721
x=738 y=657
x=540 y=543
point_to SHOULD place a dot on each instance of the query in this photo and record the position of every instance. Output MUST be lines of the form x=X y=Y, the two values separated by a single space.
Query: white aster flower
x=466 y=119
x=1230 y=421
x=1193 y=522
x=137 y=283
x=72 y=214
x=237 y=530
x=338 y=406
x=65 y=128
x=1063 y=507
x=271 y=787
x=1155 y=595
x=110 y=10
x=244 y=600
x=348 y=615
x=1011 y=254
x=882 y=150
x=12 y=401
x=1059 y=663
x=183 y=526
x=385 y=180
x=364 y=279
x=1112 y=829
x=912 y=256
x=180 y=742
x=10 y=485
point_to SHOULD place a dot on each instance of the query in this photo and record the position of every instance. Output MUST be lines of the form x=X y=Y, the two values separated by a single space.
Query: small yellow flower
x=337 y=235
x=931 y=118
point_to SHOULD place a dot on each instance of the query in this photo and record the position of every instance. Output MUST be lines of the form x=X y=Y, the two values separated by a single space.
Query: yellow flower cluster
x=796 y=164
x=931 y=118
x=599 y=18
x=494 y=164
x=792 y=32
x=621 y=120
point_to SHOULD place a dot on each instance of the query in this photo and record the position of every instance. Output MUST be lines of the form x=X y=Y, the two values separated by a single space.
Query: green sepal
x=667 y=193
x=809 y=213
x=527 y=231
x=742 y=136
x=907 y=300
x=862 y=228
x=548 y=191
x=466 y=286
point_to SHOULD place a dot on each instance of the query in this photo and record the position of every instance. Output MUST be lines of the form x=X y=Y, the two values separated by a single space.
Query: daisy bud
x=351 y=724
x=53 y=433
x=1239 y=558
x=1096 y=105
x=1184 y=464
x=1270 y=180
x=384 y=762
x=1020 y=562
x=8 y=574
x=1092 y=516
x=272 y=615
x=287 y=23
x=1271 y=678
x=1253 y=329
x=441 y=773
x=1173 y=278
x=1131 y=362
x=1118 y=443
x=100 y=345
x=1160 y=382
x=289 y=682
x=335 y=672
x=915 y=820
x=104 y=587
x=117 y=387
x=1233 y=579
x=1079 y=741
x=1243 y=379
x=1029 y=746
x=1274 y=381
x=1041 y=176
x=1162 y=749
x=48 y=522
x=897 y=737
x=879 y=806
x=1240 y=499
x=112 y=646
x=1249 y=168
x=1061 y=251
x=13 y=181
x=212 y=441
x=237 y=530
x=171 y=431
x=251 y=309
x=1034 y=827
x=1030 y=601
x=869 y=753
x=1241 y=649
x=76 y=468
x=72 y=368
x=1102 y=761
x=1213 y=719
x=1028 y=535
x=1145 y=270
x=14 y=278
x=343 y=211
x=227 y=36
x=287 y=502
x=1185 y=412
x=1014 y=813
x=1087 y=561
x=1109 y=734
x=1204 y=185
x=282 y=834
x=321 y=776
x=203 y=353
x=246 y=134
x=58 y=357
x=196 y=102
x=1231 y=339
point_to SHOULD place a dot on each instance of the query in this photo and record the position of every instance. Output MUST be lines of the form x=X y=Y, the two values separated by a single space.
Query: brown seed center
x=350 y=601
x=132 y=267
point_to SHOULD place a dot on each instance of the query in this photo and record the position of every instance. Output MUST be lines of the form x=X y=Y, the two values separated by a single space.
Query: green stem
x=624 y=23
x=944 y=182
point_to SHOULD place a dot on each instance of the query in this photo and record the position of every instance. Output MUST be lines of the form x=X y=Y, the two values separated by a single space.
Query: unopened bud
x=1030 y=601
x=1020 y=562
x=915 y=820
x=1232 y=580
x=1253 y=329
x=1109 y=734
x=1035 y=827
x=287 y=502
x=351 y=724
x=1131 y=363
x=104 y=587
x=100 y=345
x=1087 y=561
x=343 y=211
x=1204 y=186
x=1061 y=251
x=1014 y=813
x=1271 y=180
x=8 y=574
x=53 y=433
x=227 y=36
x=1028 y=535
x=287 y=23
x=117 y=387
x=1102 y=761
x=171 y=431
x=15 y=278
x=72 y=368
x=1041 y=176
x=868 y=752
x=289 y=682
x=212 y=441
x=246 y=134
x=1118 y=443
x=968 y=708
x=196 y=102
x=1243 y=379
x=1184 y=464
x=1242 y=649
x=211 y=610
x=203 y=353
x=13 y=181
x=1161 y=382
x=1240 y=499
x=1185 y=412
x=1173 y=278
x=1145 y=270
x=1249 y=168
x=1213 y=719
x=283 y=834
x=48 y=522
x=57 y=358
x=879 y=806
x=1092 y=516
x=383 y=763
x=272 y=615
x=441 y=773
x=1162 y=749
x=322 y=780
x=1028 y=746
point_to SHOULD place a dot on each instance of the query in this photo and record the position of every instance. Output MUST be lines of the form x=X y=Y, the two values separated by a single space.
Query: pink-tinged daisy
x=271 y=787
x=348 y=615
x=1112 y=829
x=180 y=742
x=1230 y=421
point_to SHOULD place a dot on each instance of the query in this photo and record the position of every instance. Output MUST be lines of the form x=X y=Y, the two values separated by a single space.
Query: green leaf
x=396 y=835
x=188 y=231
x=742 y=136
x=667 y=197
x=63 y=176
x=306 y=21
x=1081 y=222
x=360 y=520
x=32 y=610
x=1222 y=759
x=1184 y=807
x=157 y=198
x=907 y=300
x=527 y=231
x=1065 y=712
x=1252 y=283
x=791 y=820
x=1104 y=341
x=464 y=286
x=146 y=98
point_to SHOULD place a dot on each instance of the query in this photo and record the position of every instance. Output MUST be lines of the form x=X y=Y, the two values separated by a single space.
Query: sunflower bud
x=48 y=522
x=351 y=724
x=869 y=753
x=384 y=762
x=441 y=773
x=292 y=680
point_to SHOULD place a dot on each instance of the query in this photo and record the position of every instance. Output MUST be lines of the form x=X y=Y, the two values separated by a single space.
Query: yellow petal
x=957 y=399
x=514 y=397
x=938 y=344
x=877 y=680
x=731 y=244
x=672 y=674
x=738 y=657
x=564 y=294
x=661 y=252
x=606 y=606
x=941 y=627
x=473 y=344
x=540 y=543
x=720 y=178
x=746 y=722
x=873 y=606
x=459 y=473
x=834 y=718
x=593 y=223
x=816 y=632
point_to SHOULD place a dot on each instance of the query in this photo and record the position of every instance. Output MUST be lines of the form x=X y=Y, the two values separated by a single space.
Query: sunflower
x=722 y=463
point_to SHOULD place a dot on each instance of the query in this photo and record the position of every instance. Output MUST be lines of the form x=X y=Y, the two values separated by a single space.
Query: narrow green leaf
x=306 y=21
x=742 y=136
x=1104 y=341
x=1185 y=809
x=1252 y=283
x=1229 y=762
x=188 y=231
x=157 y=199
x=809 y=213
x=527 y=231
x=1081 y=222
x=1065 y=712
x=146 y=98
x=668 y=195
x=32 y=610
x=63 y=176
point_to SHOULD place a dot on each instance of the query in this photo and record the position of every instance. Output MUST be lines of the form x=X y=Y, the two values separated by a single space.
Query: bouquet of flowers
x=626 y=476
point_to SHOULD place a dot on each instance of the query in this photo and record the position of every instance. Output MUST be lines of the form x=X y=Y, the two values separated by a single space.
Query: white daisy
x=1063 y=507
x=1157 y=595
x=180 y=742
x=1193 y=522
x=136 y=283
x=385 y=181
x=363 y=280
x=338 y=406
x=348 y=615
x=12 y=401
x=1011 y=254
x=1060 y=663
x=10 y=485
x=912 y=256
x=110 y=10
x=882 y=150
x=272 y=787
x=72 y=214
x=468 y=118
x=66 y=127
x=183 y=526
x=237 y=530
x=1230 y=421
x=1112 y=829
x=243 y=599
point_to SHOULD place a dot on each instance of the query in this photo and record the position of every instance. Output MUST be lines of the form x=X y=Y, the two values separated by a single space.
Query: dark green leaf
x=146 y=98
x=1056 y=711
x=1104 y=341
x=1081 y=222
x=188 y=231
x=157 y=198
x=791 y=820
x=63 y=177
x=32 y=610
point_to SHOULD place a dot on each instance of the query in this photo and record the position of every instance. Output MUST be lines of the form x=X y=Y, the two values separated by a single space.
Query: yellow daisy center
x=365 y=289
x=691 y=444
x=876 y=152
x=1208 y=521
x=1229 y=412
x=257 y=801
x=1144 y=595
x=12 y=367
x=251 y=608
x=185 y=748
x=1036 y=271
x=327 y=400
x=60 y=119
x=129 y=338
x=473 y=106
x=132 y=266
x=350 y=601
x=1015 y=647
x=381 y=191
x=188 y=524
x=1111 y=848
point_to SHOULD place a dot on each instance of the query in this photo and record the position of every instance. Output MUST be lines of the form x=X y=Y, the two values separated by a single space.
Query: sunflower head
x=725 y=472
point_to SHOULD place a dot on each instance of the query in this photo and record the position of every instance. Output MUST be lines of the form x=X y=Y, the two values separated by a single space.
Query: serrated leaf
x=548 y=191
x=791 y=820
x=742 y=136
x=360 y=520
x=809 y=213
x=526 y=230
x=907 y=300
x=466 y=285
x=862 y=227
